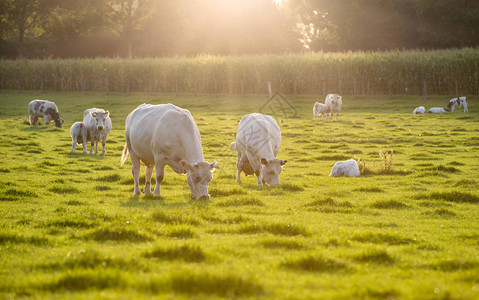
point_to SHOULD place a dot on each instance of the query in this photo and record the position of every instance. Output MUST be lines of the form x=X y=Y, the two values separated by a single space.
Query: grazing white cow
x=76 y=133
x=164 y=134
x=348 y=168
x=334 y=103
x=439 y=110
x=462 y=102
x=320 y=109
x=257 y=145
x=96 y=127
x=419 y=110
x=46 y=109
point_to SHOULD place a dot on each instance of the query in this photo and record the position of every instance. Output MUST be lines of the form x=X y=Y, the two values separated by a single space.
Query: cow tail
x=124 y=156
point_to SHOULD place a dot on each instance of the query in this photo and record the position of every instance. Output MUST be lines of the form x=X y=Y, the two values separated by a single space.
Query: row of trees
x=140 y=28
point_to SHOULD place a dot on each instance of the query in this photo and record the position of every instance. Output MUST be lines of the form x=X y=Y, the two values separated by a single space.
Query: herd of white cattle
x=165 y=134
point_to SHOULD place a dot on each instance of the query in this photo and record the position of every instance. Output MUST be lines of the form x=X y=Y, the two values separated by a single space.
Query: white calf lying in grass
x=461 y=102
x=439 y=110
x=419 y=110
x=320 y=109
x=348 y=168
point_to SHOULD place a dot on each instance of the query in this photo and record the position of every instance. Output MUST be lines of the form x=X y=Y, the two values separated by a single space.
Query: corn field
x=441 y=72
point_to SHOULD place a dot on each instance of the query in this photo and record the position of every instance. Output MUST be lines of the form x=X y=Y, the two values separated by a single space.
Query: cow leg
x=238 y=166
x=96 y=147
x=31 y=120
x=258 y=177
x=135 y=171
x=337 y=116
x=92 y=144
x=160 y=174
x=103 y=143
x=74 y=145
x=148 y=172
x=84 y=134
x=47 y=120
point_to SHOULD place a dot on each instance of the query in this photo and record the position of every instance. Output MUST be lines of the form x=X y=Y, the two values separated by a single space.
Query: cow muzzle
x=204 y=197
x=100 y=128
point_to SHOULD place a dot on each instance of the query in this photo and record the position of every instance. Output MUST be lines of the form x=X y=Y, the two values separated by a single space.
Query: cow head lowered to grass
x=165 y=134
x=198 y=177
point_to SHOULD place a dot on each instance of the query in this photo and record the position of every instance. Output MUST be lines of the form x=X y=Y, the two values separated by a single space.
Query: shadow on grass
x=187 y=253
x=452 y=196
x=311 y=263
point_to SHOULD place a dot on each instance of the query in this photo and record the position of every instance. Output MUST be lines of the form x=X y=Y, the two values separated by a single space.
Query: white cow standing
x=348 y=168
x=334 y=103
x=257 y=145
x=164 y=134
x=96 y=127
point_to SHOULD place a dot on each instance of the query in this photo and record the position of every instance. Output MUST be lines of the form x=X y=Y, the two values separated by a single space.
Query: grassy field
x=71 y=228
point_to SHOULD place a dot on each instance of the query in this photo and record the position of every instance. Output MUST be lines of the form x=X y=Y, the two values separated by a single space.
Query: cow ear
x=93 y=114
x=214 y=166
x=107 y=114
x=283 y=162
x=264 y=161
x=61 y=121
x=185 y=165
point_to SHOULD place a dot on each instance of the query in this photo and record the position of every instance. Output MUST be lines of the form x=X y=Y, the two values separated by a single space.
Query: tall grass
x=404 y=72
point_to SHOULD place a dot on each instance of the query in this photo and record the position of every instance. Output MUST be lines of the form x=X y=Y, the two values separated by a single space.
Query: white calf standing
x=96 y=127
x=334 y=103
x=76 y=133
x=320 y=109
x=419 y=110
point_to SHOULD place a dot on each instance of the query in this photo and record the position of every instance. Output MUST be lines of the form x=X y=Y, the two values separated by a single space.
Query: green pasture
x=408 y=229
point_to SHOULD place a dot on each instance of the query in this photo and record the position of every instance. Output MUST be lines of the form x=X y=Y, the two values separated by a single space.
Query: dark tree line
x=141 y=28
